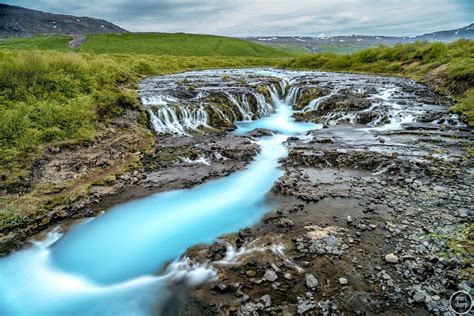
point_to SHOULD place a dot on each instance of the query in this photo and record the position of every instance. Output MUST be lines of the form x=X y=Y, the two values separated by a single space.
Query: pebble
x=267 y=300
x=419 y=296
x=311 y=281
x=343 y=281
x=391 y=258
x=270 y=275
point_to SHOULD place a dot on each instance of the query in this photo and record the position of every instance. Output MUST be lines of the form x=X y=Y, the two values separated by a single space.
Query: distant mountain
x=21 y=22
x=447 y=36
x=348 y=44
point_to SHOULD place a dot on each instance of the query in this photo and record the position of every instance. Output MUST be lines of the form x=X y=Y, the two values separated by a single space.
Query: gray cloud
x=271 y=17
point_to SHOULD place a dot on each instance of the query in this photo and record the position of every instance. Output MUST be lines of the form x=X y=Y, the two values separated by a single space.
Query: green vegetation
x=337 y=48
x=179 y=44
x=50 y=98
x=459 y=246
x=448 y=67
x=59 y=43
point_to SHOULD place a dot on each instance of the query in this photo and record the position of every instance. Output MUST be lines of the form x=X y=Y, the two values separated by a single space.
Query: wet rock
x=259 y=132
x=217 y=251
x=285 y=223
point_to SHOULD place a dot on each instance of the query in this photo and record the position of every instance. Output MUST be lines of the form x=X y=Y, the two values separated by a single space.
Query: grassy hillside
x=151 y=43
x=337 y=48
x=449 y=68
x=59 y=43
x=177 y=45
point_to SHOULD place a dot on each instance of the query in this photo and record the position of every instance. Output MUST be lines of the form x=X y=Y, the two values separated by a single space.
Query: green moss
x=307 y=96
x=466 y=107
x=107 y=181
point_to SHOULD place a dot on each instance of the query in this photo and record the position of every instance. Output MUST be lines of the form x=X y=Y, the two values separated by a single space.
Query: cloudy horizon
x=270 y=17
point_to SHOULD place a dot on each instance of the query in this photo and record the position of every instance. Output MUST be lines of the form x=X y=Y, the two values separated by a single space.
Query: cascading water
x=124 y=262
x=111 y=265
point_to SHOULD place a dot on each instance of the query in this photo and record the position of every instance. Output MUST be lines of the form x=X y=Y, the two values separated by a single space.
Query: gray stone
x=270 y=275
x=419 y=296
x=304 y=306
x=311 y=281
x=391 y=258
x=267 y=300
x=343 y=281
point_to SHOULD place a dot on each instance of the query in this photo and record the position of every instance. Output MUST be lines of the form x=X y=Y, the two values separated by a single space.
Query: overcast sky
x=270 y=17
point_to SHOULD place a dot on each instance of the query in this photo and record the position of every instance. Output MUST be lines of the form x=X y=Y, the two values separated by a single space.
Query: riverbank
x=381 y=176
x=173 y=163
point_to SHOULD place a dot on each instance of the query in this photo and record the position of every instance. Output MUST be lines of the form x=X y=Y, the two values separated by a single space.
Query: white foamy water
x=117 y=264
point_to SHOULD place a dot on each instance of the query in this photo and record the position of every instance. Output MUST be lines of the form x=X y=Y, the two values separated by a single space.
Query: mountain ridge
x=351 y=43
x=17 y=21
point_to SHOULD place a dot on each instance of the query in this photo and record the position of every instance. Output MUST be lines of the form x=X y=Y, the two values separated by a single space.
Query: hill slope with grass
x=448 y=68
x=177 y=44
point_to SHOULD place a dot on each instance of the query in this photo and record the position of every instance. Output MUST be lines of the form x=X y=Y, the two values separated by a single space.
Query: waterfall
x=283 y=86
x=222 y=115
x=179 y=115
x=264 y=108
x=178 y=120
x=275 y=96
x=314 y=104
x=242 y=105
x=292 y=95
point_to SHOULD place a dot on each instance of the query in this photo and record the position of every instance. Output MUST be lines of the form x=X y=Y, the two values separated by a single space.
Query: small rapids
x=127 y=261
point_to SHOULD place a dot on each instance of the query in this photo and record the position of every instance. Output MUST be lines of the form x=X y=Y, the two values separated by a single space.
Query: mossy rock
x=308 y=116
x=309 y=95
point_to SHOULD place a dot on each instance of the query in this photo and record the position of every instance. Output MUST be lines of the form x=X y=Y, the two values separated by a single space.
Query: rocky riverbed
x=374 y=210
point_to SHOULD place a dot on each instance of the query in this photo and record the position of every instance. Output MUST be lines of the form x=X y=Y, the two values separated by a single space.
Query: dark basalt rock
x=217 y=251
x=259 y=132
x=343 y=103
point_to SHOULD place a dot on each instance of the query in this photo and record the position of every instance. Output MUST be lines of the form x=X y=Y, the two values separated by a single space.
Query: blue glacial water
x=116 y=264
